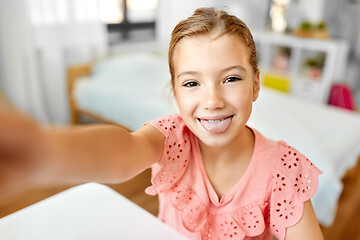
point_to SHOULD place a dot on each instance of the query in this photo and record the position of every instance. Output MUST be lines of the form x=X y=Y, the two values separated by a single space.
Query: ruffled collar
x=196 y=217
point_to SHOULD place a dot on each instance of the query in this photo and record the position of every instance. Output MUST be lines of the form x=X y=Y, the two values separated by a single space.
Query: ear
x=256 y=85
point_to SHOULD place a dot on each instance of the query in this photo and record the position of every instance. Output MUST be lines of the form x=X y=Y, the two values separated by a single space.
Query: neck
x=231 y=152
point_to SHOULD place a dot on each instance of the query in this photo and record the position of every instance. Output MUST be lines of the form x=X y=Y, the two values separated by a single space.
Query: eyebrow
x=187 y=73
x=241 y=68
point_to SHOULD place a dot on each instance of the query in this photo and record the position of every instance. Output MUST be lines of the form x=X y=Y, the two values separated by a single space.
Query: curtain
x=39 y=39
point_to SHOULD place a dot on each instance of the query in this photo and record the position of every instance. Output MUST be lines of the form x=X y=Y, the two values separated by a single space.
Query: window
x=129 y=19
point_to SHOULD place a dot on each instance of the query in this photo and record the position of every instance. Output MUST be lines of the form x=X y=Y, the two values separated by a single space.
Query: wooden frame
x=73 y=73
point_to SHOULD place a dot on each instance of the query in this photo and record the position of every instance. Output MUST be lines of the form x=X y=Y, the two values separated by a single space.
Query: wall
x=170 y=12
x=313 y=10
x=35 y=54
x=14 y=44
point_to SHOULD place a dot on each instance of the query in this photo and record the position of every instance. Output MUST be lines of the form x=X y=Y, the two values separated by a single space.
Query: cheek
x=183 y=102
x=186 y=107
x=241 y=96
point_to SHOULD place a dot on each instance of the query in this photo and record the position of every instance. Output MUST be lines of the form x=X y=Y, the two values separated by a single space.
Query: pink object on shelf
x=341 y=96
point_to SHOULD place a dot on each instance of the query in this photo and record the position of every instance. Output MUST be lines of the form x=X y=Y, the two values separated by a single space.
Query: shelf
x=286 y=56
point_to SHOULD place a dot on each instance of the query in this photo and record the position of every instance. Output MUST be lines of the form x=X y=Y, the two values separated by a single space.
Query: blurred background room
x=88 y=61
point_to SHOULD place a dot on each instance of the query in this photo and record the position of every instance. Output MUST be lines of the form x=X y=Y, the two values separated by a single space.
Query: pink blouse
x=266 y=200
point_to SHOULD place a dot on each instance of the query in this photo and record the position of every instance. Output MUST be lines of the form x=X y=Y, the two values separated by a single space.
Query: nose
x=213 y=98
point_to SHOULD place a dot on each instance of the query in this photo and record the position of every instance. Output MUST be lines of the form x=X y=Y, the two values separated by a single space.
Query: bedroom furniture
x=308 y=67
x=132 y=86
x=89 y=211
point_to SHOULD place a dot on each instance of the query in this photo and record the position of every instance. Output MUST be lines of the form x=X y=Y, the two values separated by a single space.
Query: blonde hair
x=206 y=20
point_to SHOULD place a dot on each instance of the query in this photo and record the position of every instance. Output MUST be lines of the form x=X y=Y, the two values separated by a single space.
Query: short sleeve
x=294 y=182
x=175 y=156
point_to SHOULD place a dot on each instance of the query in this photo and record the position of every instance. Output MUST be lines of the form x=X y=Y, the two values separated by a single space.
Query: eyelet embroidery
x=304 y=184
x=303 y=181
x=285 y=209
x=193 y=211
x=176 y=153
x=285 y=212
x=222 y=227
x=246 y=221
x=280 y=182
x=290 y=159
x=252 y=220
x=294 y=183
x=228 y=228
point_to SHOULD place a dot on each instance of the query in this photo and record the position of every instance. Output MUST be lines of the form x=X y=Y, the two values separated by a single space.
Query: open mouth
x=216 y=124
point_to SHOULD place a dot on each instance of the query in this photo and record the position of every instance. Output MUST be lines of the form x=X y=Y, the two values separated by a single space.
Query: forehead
x=201 y=52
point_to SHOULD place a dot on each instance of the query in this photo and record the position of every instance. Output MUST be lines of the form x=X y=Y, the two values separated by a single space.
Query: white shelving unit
x=333 y=70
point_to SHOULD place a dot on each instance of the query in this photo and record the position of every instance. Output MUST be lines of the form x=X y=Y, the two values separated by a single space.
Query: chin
x=215 y=141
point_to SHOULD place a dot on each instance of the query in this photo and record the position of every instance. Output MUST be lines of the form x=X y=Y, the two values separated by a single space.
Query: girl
x=216 y=178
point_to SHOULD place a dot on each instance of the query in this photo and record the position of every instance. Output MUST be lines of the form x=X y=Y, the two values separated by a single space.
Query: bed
x=129 y=89
x=133 y=88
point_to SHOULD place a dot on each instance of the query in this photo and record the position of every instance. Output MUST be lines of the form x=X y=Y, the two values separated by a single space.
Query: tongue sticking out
x=216 y=126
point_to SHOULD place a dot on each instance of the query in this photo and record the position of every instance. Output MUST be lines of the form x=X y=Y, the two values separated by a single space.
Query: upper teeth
x=214 y=121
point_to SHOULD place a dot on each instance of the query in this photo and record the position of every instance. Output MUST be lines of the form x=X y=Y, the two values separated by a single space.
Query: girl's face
x=214 y=86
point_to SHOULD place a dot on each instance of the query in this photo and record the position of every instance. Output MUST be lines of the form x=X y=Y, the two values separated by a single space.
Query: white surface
x=90 y=211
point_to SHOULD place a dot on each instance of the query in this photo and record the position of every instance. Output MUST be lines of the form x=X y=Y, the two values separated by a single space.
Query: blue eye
x=190 y=84
x=232 y=79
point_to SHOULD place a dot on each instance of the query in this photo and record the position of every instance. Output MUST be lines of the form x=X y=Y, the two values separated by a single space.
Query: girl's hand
x=22 y=151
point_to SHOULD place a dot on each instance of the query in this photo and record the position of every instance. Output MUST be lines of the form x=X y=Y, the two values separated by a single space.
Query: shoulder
x=175 y=154
x=294 y=164
x=290 y=170
x=280 y=156
x=291 y=180
x=169 y=125
x=264 y=146
x=177 y=134
x=167 y=122
x=294 y=181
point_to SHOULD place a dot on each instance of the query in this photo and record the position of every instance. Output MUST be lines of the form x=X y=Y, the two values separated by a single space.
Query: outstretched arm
x=101 y=153
x=307 y=228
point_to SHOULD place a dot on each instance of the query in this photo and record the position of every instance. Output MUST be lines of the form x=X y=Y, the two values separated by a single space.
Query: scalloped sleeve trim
x=176 y=153
x=294 y=182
